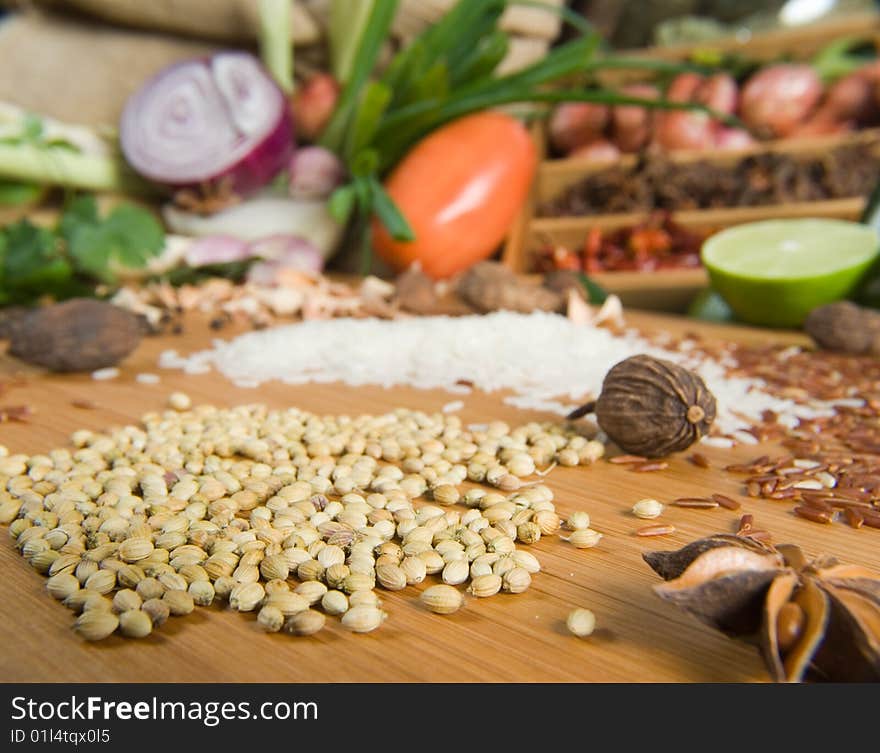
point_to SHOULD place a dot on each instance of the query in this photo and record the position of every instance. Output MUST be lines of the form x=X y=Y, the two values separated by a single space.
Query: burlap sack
x=82 y=68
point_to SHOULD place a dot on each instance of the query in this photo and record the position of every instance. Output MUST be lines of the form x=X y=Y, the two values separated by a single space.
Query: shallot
x=283 y=254
x=576 y=124
x=779 y=98
x=681 y=129
x=204 y=120
x=631 y=124
x=215 y=249
x=314 y=173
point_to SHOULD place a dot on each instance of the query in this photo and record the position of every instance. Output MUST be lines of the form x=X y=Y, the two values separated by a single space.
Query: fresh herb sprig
x=448 y=71
x=82 y=251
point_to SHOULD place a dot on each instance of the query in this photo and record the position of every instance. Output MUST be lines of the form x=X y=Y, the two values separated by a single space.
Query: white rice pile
x=545 y=360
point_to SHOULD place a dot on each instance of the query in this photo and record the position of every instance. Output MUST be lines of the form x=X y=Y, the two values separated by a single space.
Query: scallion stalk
x=276 y=43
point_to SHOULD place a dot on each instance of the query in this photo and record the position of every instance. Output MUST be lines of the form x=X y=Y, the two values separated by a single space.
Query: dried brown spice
x=77 y=335
x=491 y=286
x=651 y=407
x=846 y=327
x=812 y=619
x=657 y=182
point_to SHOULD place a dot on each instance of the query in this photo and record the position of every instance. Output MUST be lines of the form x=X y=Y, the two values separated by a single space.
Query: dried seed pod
x=158 y=610
x=61 y=586
x=179 y=602
x=442 y=599
x=270 y=619
x=647 y=509
x=149 y=588
x=811 y=618
x=391 y=577
x=358 y=582
x=126 y=600
x=334 y=603
x=455 y=572
x=135 y=549
x=135 y=623
x=414 y=568
x=516 y=580
x=96 y=624
x=364 y=598
x=527 y=561
x=288 y=602
x=581 y=622
x=312 y=591
x=202 y=592
x=584 y=538
x=78 y=335
x=577 y=520
x=102 y=581
x=307 y=622
x=651 y=407
x=363 y=618
x=485 y=585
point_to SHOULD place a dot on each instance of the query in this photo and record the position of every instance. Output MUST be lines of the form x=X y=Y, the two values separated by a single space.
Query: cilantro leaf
x=33 y=261
x=83 y=210
x=140 y=234
x=128 y=237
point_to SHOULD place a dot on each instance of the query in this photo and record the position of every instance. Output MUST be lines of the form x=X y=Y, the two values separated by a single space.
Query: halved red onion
x=216 y=249
x=202 y=120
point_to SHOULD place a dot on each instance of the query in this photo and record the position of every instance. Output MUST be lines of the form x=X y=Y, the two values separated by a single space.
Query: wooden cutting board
x=506 y=638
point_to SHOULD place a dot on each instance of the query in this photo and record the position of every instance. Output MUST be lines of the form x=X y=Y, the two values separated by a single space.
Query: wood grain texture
x=505 y=638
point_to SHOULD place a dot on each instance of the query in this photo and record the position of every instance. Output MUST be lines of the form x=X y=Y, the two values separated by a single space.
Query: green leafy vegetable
x=15 y=193
x=448 y=71
x=82 y=250
x=595 y=292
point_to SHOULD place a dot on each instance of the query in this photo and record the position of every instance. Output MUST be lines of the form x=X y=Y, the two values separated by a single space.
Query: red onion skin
x=314 y=173
x=779 y=98
x=288 y=250
x=576 y=124
x=265 y=162
x=257 y=168
x=216 y=249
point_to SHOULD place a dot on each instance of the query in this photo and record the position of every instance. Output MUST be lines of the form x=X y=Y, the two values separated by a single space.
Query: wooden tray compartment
x=666 y=290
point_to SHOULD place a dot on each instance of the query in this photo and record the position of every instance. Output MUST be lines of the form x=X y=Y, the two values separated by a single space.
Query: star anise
x=812 y=619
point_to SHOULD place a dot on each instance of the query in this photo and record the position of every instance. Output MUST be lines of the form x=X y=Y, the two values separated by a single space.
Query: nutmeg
x=77 y=335
x=845 y=327
x=651 y=407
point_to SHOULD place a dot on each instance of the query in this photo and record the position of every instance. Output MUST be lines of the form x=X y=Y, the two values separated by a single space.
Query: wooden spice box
x=663 y=290
x=672 y=290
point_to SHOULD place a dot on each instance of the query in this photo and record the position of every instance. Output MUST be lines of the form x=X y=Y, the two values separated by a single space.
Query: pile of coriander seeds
x=285 y=513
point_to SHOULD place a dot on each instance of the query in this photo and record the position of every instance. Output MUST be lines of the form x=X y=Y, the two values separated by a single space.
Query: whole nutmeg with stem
x=652 y=407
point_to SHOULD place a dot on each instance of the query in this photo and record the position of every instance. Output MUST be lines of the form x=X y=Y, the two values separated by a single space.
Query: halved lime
x=775 y=272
